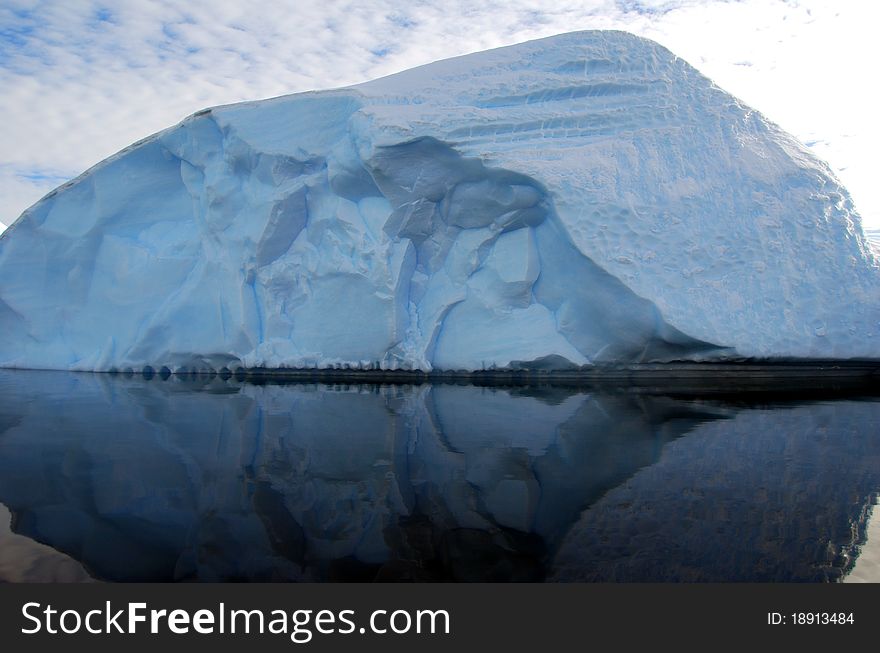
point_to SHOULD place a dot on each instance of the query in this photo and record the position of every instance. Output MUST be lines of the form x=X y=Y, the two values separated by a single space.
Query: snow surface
x=873 y=236
x=584 y=198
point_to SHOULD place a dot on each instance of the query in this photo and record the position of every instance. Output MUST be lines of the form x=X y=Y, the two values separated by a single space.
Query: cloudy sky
x=81 y=79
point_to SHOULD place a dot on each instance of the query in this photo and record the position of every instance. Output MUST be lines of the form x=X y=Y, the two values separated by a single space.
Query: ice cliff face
x=584 y=198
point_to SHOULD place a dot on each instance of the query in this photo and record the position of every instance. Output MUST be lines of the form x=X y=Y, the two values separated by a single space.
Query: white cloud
x=83 y=78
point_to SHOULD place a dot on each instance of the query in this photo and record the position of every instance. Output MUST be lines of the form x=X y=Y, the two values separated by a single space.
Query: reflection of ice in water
x=776 y=493
x=24 y=561
x=212 y=480
x=867 y=566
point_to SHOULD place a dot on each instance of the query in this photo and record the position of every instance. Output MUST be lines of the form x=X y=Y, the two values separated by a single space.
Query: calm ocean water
x=126 y=479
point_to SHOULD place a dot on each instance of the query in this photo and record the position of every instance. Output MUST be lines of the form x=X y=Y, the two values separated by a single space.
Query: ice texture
x=580 y=199
x=873 y=236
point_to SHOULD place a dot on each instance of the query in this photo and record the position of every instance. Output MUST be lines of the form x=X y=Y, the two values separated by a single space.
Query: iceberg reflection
x=217 y=480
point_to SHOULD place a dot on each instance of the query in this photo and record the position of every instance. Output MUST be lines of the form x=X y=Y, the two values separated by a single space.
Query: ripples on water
x=127 y=479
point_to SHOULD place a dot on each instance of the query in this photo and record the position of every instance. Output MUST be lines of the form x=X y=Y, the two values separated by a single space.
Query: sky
x=81 y=79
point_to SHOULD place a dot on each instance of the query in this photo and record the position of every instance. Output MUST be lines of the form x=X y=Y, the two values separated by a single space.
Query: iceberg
x=582 y=199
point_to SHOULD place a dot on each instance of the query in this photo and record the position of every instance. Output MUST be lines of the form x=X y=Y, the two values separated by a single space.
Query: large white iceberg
x=580 y=199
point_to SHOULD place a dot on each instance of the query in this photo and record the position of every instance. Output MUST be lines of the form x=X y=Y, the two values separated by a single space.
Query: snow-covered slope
x=584 y=198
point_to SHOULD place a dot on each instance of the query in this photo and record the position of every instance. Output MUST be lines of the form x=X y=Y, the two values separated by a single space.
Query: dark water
x=170 y=480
